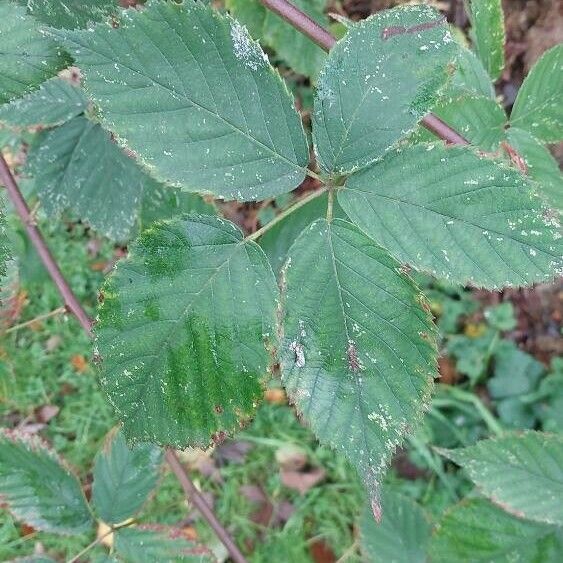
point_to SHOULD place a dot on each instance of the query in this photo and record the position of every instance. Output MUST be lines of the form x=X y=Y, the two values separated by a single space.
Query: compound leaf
x=378 y=82
x=521 y=472
x=476 y=531
x=401 y=537
x=539 y=105
x=487 y=20
x=38 y=489
x=78 y=166
x=150 y=544
x=56 y=102
x=457 y=215
x=123 y=478
x=27 y=57
x=195 y=98
x=358 y=355
x=182 y=328
x=70 y=14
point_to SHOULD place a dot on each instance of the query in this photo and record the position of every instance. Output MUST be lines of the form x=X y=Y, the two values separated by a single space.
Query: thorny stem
x=300 y=203
x=22 y=209
x=201 y=504
x=74 y=306
x=303 y=23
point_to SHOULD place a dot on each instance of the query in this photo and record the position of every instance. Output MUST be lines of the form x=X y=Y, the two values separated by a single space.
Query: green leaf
x=70 y=14
x=123 y=478
x=401 y=537
x=487 y=20
x=480 y=120
x=78 y=166
x=391 y=65
x=27 y=57
x=189 y=92
x=457 y=215
x=470 y=77
x=542 y=167
x=523 y=473
x=164 y=202
x=476 y=531
x=182 y=331
x=539 y=105
x=297 y=50
x=56 y=102
x=277 y=241
x=358 y=355
x=147 y=545
x=251 y=13
x=38 y=489
x=300 y=53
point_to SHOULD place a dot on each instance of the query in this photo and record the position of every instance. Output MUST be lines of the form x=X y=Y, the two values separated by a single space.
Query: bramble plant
x=176 y=102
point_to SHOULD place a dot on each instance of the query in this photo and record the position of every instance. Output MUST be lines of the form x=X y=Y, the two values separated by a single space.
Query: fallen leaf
x=302 y=481
x=321 y=552
x=275 y=396
x=232 y=451
x=79 y=363
x=291 y=457
x=45 y=413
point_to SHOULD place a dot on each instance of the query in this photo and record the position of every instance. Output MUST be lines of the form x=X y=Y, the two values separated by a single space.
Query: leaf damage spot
x=297 y=349
x=392 y=31
x=354 y=363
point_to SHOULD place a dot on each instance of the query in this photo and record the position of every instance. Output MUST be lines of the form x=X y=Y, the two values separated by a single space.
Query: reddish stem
x=22 y=209
x=303 y=23
x=74 y=306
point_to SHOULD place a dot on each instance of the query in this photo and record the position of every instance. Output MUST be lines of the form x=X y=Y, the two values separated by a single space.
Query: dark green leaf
x=164 y=202
x=38 y=489
x=56 y=102
x=541 y=165
x=297 y=50
x=189 y=92
x=457 y=215
x=470 y=77
x=401 y=537
x=123 y=478
x=476 y=531
x=148 y=545
x=70 y=14
x=480 y=120
x=358 y=355
x=277 y=241
x=27 y=57
x=378 y=82
x=78 y=166
x=539 y=105
x=523 y=473
x=487 y=21
x=182 y=330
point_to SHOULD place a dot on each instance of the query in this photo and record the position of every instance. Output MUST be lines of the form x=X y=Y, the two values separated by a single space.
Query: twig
x=303 y=23
x=201 y=504
x=74 y=306
x=37 y=319
x=38 y=242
